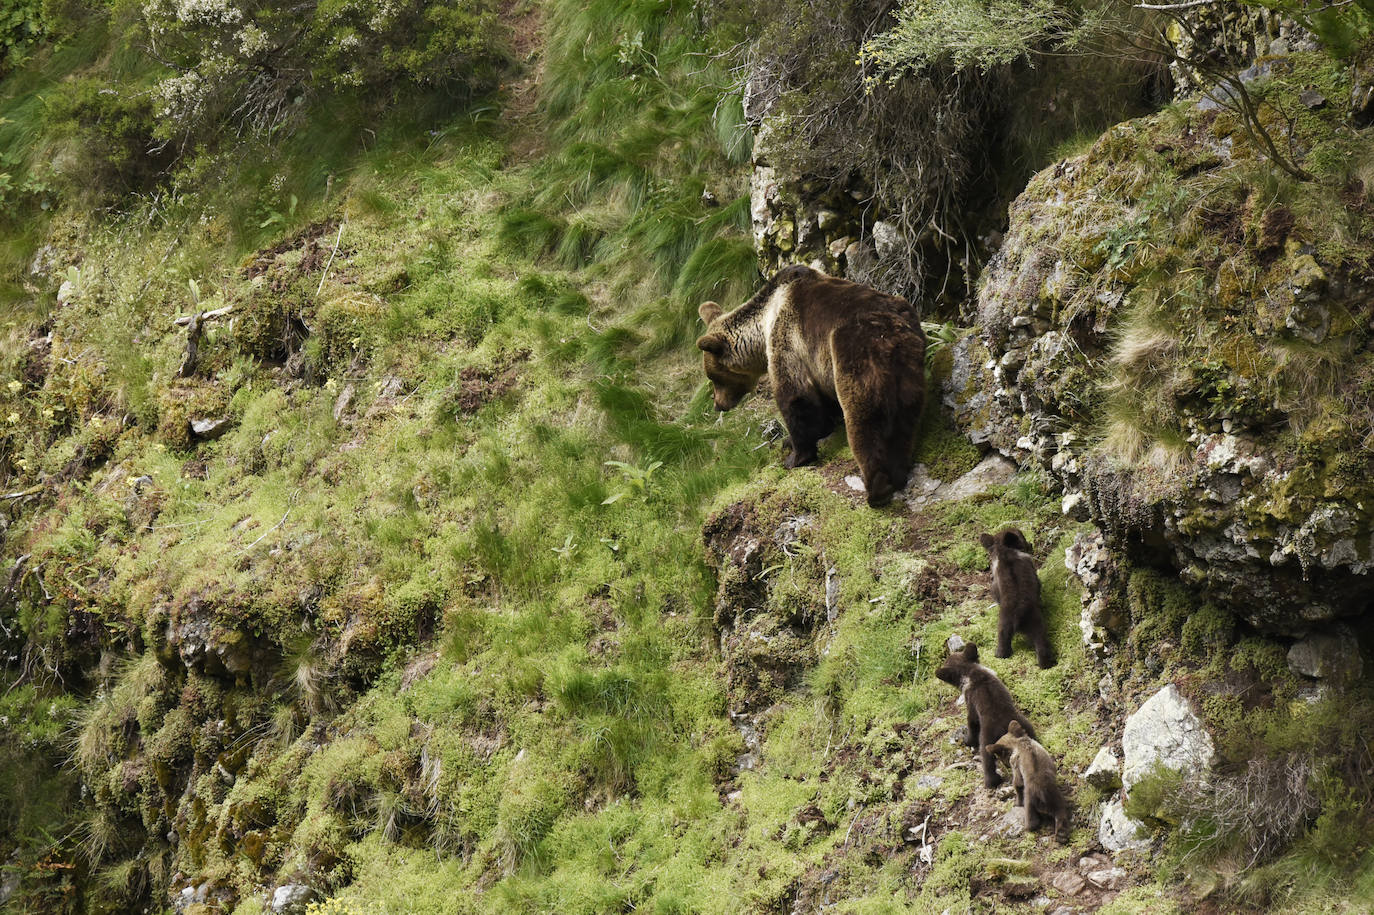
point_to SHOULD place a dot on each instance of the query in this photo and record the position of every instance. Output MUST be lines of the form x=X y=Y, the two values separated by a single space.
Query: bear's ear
x=714 y=343
x=709 y=311
x=1014 y=728
x=971 y=652
x=985 y=540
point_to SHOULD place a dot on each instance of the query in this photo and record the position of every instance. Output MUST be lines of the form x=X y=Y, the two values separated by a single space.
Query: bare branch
x=1175 y=6
x=203 y=316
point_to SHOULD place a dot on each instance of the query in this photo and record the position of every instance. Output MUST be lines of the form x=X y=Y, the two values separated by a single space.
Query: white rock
x=993 y=470
x=1108 y=878
x=1164 y=732
x=888 y=239
x=1105 y=772
x=854 y=483
x=291 y=898
x=1117 y=832
x=763 y=186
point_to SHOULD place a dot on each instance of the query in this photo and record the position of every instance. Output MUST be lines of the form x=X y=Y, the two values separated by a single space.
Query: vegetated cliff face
x=1181 y=336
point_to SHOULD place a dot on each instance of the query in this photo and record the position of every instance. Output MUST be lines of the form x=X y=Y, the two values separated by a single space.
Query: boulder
x=1164 y=732
x=1332 y=656
x=1105 y=772
x=1118 y=832
x=291 y=898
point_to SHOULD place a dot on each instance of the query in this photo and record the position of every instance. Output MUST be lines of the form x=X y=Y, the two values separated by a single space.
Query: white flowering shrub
x=231 y=68
x=257 y=64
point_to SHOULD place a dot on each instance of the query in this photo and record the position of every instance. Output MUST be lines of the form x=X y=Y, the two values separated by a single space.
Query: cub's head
x=1011 y=539
x=730 y=381
x=958 y=665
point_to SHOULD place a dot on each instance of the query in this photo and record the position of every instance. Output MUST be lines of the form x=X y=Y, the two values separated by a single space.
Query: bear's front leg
x=808 y=419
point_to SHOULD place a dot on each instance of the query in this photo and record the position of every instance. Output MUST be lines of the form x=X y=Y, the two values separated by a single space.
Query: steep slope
x=412 y=571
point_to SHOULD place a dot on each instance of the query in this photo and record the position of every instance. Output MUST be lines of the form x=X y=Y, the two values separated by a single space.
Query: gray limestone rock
x=291 y=898
x=1332 y=655
x=1117 y=832
x=1164 y=731
x=1105 y=772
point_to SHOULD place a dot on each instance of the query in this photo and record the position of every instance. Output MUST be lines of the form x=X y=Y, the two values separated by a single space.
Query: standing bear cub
x=990 y=706
x=1016 y=588
x=1036 y=780
x=832 y=349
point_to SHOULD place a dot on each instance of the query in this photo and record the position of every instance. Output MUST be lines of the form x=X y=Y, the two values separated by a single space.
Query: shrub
x=256 y=66
x=115 y=132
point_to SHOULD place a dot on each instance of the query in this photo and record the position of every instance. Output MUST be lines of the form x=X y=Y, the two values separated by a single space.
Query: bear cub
x=1016 y=588
x=834 y=350
x=990 y=706
x=1036 y=780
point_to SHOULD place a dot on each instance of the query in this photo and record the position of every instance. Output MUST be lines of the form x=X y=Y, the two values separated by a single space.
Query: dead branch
x=203 y=316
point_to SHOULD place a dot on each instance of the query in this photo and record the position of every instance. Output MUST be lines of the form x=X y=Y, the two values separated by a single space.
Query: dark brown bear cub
x=990 y=706
x=834 y=349
x=1016 y=588
x=1036 y=779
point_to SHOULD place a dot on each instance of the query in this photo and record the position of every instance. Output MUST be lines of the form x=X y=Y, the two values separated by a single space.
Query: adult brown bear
x=833 y=349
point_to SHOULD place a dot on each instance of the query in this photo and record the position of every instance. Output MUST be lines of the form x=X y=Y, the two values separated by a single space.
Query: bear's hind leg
x=1005 y=628
x=868 y=439
x=1033 y=625
x=991 y=777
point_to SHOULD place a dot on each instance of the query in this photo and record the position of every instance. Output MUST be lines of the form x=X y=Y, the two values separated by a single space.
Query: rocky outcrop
x=1104 y=617
x=1169 y=433
x=805 y=220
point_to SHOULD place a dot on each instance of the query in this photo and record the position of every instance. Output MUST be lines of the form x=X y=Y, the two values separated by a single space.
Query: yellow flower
x=47 y=412
x=23 y=464
x=15 y=386
x=13 y=417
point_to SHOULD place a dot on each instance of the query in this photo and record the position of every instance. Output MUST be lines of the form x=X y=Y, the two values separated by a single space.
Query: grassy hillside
x=439 y=617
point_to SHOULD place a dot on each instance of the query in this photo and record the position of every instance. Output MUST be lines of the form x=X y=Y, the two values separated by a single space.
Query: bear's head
x=1011 y=539
x=730 y=381
x=1004 y=747
x=958 y=665
x=1011 y=742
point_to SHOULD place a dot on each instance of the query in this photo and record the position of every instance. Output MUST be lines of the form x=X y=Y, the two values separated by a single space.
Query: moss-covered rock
x=1179 y=333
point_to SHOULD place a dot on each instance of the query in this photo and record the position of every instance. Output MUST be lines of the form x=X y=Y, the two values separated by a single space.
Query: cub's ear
x=1014 y=728
x=986 y=541
x=714 y=343
x=709 y=311
x=971 y=652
